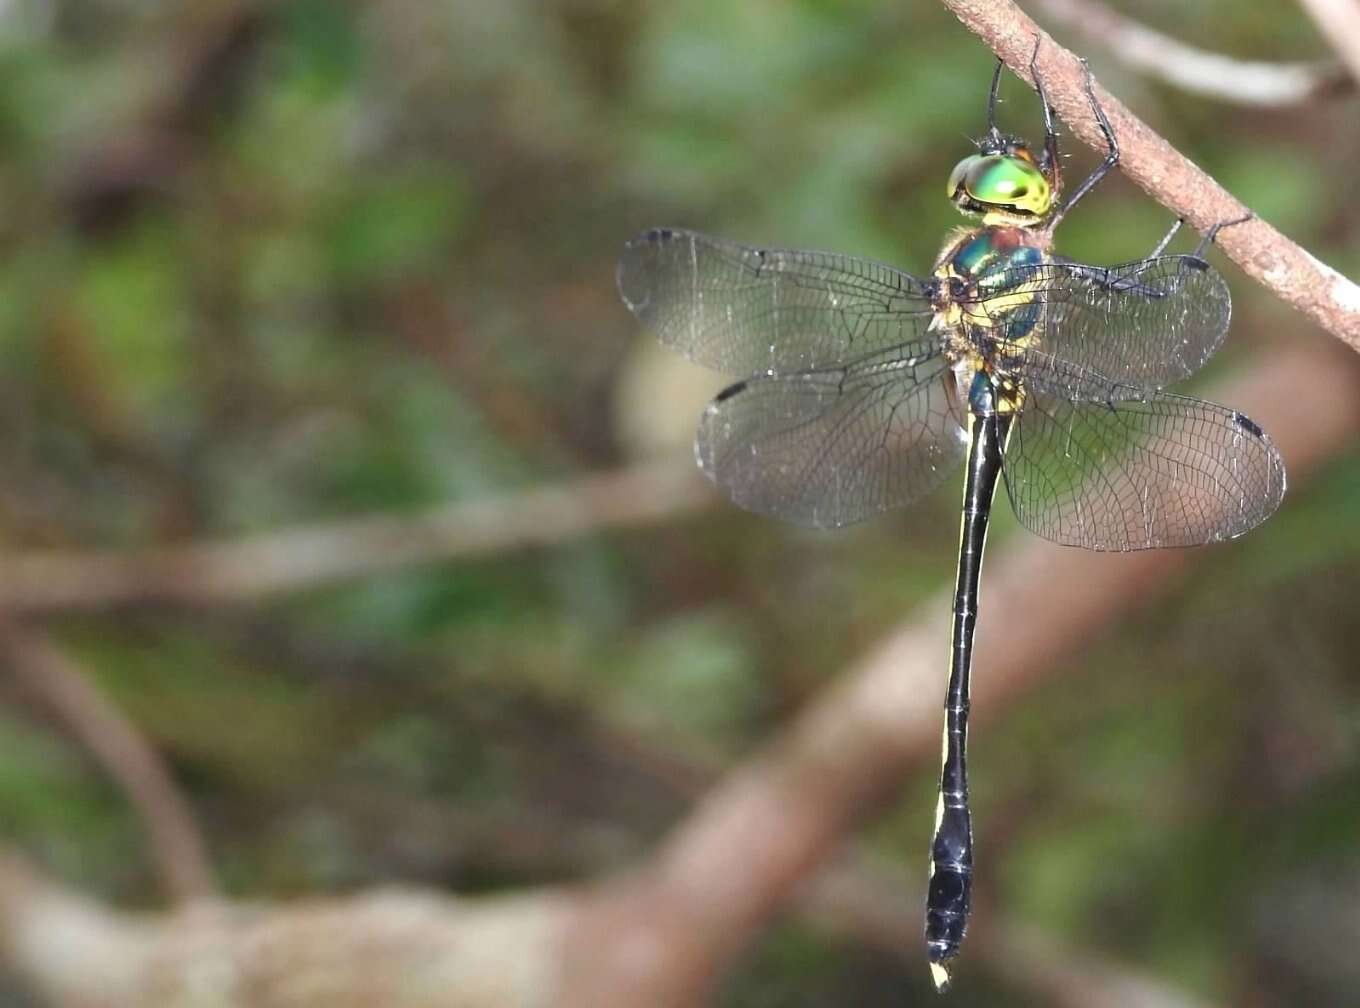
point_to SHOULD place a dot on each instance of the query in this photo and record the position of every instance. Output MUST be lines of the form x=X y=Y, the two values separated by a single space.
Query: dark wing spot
x=1248 y=425
x=736 y=387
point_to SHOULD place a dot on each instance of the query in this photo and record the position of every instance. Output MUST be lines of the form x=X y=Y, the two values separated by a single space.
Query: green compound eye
x=998 y=180
x=960 y=172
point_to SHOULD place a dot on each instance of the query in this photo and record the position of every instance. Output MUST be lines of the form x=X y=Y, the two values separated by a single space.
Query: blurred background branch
x=1339 y=23
x=177 y=847
x=1240 y=82
x=301 y=558
x=400 y=948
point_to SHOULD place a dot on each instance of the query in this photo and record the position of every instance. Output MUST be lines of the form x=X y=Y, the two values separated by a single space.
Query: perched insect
x=862 y=386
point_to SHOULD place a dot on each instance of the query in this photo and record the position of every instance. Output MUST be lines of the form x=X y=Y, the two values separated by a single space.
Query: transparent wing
x=831 y=447
x=1144 y=325
x=1131 y=474
x=746 y=311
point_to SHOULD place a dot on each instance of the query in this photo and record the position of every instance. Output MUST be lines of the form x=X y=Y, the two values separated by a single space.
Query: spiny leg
x=1197 y=256
x=1108 y=279
x=1102 y=169
x=993 y=134
x=1051 y=165
x=1211 y=235
x=1209 y=238
x=1160 y=247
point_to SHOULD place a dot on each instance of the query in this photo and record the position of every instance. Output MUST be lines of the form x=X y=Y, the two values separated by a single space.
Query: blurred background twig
x=1339 y=23
x=177 y=846
x=295 y=559
x=1196 y=70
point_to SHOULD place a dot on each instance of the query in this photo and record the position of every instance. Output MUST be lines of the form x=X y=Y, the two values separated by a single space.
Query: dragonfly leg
x=1104 y=278
x=1160 y=247
x=1204 y=243
x=1051 y=164
x=992 y=132
x=1109 y=280
x=1194 y=259
x=1102 y=169
x=1212 y=233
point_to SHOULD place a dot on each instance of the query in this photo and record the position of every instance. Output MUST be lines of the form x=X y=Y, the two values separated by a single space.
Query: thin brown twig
x=1339 y=22
x=178 y=851
x=1262 y=252
x=291 y=559
x=1240 y=82
x=661 y=936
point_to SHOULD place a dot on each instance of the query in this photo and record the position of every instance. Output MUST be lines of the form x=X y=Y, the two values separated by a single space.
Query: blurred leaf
x=689 y=680
x=322 y=44
x=133 y=299
x=403 y=223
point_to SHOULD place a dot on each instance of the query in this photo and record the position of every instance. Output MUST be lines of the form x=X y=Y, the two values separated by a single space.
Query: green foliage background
x=366 y=263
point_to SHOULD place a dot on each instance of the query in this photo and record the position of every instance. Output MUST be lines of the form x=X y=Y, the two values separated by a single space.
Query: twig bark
x=177 y=848
x=218 y=572
x=1240 y=82
x=661 y=936
x=1262 y=252
x=1339 y=21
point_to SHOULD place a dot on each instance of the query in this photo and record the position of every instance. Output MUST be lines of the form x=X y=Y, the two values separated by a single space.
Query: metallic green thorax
x=991 y=264
x=986 y=256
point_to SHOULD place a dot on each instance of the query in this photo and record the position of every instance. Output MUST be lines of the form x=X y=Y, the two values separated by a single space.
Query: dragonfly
x=861 y=387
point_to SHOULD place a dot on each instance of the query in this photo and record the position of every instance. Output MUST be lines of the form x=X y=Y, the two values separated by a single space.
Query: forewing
x=746 y=311
x=1143 y=325
x=831 y=447
x=1132 y=474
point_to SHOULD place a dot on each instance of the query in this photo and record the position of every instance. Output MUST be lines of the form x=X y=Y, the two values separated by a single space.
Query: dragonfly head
x=1002 y=183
